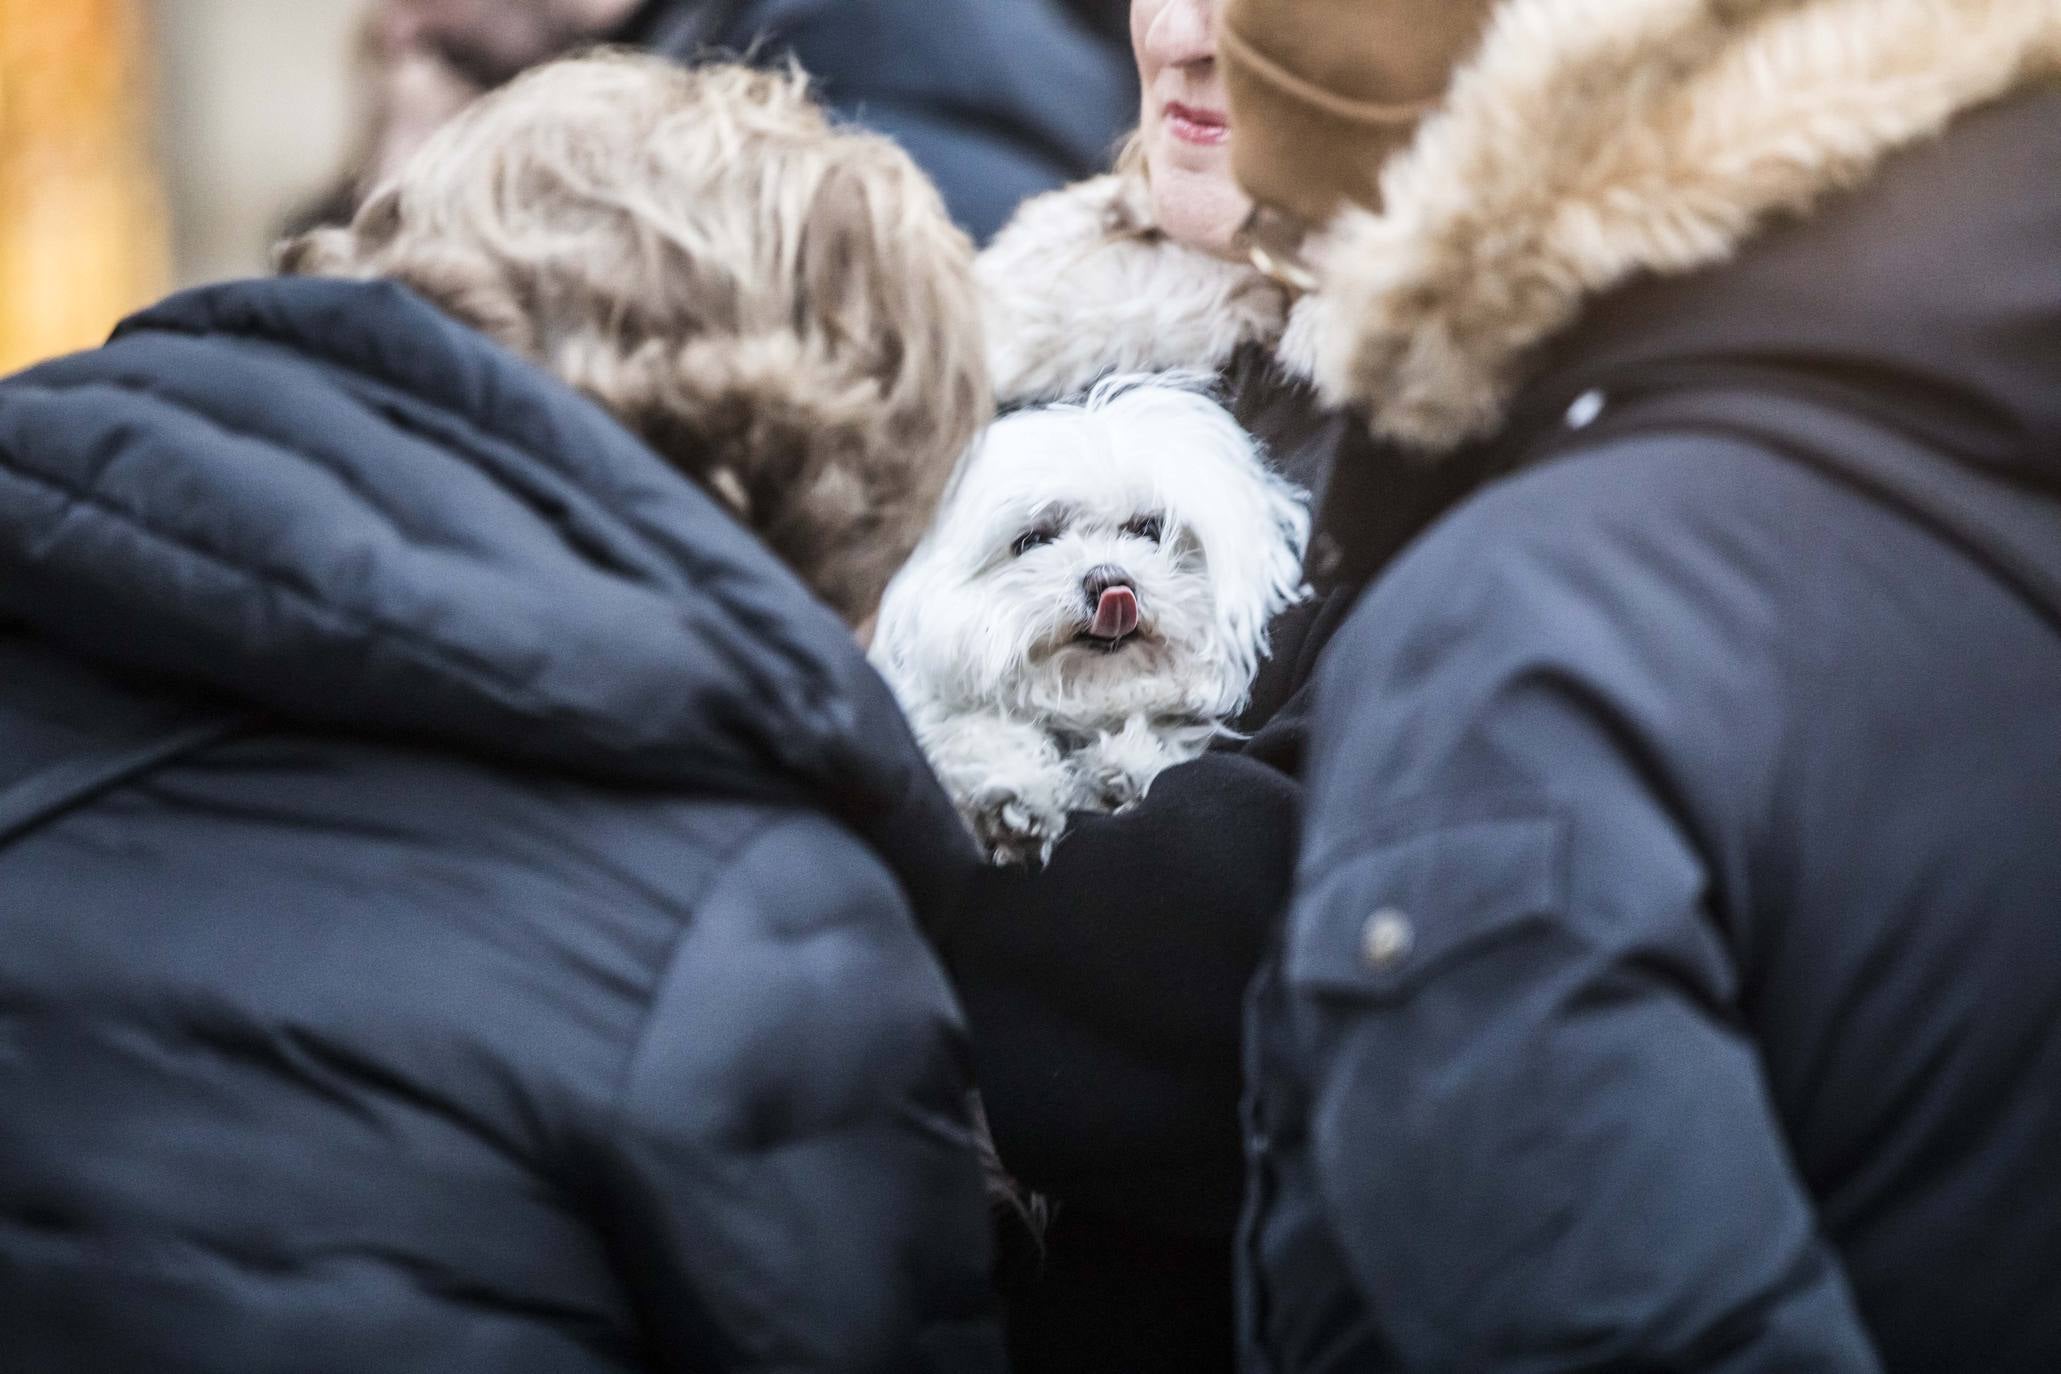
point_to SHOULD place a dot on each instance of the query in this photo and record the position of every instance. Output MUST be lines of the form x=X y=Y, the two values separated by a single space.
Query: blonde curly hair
x=778 y=306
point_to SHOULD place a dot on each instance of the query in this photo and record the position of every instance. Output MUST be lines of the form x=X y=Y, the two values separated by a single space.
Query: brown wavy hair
x=780 y=307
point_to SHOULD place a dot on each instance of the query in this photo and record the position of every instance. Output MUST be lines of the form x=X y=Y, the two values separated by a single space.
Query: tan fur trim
x=1080 y=285
x=1591 y=141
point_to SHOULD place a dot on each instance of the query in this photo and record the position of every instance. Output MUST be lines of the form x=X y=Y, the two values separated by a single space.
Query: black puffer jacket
x=460 y=896
x=1673 y=975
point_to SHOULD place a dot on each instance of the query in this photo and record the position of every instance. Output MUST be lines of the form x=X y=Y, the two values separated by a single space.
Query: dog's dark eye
x=1031 y=539
x=1146 y=527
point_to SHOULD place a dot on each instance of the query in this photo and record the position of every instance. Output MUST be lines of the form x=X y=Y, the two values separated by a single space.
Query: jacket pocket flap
x=1386 y=918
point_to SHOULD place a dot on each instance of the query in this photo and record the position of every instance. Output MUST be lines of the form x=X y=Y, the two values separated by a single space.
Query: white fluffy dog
x=1090 y=605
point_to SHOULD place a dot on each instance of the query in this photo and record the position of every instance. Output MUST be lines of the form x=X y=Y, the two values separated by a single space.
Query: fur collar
x=1081 y=285
x=1593 y=141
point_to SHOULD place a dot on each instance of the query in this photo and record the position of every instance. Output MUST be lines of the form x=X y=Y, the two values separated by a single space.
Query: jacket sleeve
x=1105 y=992
x=792 y=1178
x=1535 y=1113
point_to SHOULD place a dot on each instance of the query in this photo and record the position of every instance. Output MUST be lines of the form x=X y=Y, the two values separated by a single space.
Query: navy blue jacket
x=1674 y=973
x=459 y=895
x=996 y=99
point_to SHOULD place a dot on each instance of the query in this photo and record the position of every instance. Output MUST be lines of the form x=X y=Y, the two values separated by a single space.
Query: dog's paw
x=1013 y=829
x=1109 y=785
x=1116 y=769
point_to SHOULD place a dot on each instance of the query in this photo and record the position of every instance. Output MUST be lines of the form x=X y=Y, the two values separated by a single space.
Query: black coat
x=460 y=895
x=1672 y=980
x=996 y=99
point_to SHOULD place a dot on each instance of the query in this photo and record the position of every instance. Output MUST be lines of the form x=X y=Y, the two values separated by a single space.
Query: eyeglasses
x=1274 y=240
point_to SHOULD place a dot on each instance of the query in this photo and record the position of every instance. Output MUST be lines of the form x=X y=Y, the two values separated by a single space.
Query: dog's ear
x=1252 y=526
x=930 y=624
x=1263 y=575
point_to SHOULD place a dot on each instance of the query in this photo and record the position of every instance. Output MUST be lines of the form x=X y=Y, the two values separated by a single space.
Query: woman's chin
x=1195 y=201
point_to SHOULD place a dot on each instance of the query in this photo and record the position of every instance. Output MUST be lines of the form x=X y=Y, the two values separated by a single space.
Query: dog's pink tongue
x=1116 y=614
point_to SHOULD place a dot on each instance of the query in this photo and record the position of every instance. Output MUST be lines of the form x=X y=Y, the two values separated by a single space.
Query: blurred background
x=146 y=144
x=152 y=144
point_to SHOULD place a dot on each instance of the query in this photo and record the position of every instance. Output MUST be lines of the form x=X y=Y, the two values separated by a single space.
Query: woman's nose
x=1183 y=33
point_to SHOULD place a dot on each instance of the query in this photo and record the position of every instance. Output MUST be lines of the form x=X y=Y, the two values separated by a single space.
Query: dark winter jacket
x=997 y=100
x=1105 y=991
x=459 y=895
x=1674 y=974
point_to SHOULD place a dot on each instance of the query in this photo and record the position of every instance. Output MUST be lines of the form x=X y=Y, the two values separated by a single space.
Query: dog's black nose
x=1104 y=578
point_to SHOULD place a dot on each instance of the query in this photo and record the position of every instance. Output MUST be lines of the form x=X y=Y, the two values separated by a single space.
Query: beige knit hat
x=1322 y=92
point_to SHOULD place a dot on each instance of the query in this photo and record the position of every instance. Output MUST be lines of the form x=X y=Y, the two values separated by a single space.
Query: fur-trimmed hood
x=1081 y=285
x=1593 y=143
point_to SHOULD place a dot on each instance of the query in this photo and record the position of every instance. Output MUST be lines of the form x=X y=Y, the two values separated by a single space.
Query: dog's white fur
x=1025 y=717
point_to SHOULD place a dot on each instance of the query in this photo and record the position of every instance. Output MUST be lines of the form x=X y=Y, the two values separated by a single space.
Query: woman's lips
x=1206 y=128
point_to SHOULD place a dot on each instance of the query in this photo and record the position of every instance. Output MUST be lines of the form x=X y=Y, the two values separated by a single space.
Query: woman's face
x=1186 y=123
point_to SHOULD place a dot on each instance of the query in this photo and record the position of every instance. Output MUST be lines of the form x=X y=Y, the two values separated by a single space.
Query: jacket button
x=1586 y=409
x=1386 y=939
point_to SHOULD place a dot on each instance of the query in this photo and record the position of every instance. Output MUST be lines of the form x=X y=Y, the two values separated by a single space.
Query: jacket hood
x=334 y=505
x=1931 y=302
x=1590 y=147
